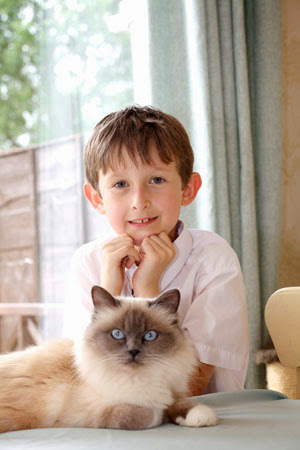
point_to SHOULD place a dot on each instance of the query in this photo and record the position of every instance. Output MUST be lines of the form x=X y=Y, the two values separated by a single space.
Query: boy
x=139 y=170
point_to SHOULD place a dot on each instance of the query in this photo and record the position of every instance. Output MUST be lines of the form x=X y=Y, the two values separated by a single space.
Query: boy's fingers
x=129 y=261
x=155 y=246
x=121 y=257
x=163 y=235
x=164 y=243
x=118 y=242
x=130 y=255
x=158 y=241
x=127 y=251
x=121 y=247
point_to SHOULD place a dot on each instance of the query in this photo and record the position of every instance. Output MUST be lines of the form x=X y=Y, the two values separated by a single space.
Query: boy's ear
x=93 y=197
x=191 y=189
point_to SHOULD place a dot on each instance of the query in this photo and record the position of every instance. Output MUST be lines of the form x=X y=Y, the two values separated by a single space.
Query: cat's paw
x=198 y=416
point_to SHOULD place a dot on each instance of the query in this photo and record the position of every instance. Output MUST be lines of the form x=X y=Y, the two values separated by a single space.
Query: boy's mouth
x=143 y=221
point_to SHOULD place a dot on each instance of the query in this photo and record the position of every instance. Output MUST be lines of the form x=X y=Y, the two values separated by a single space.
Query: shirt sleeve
x=216 y=320
x=83 y=275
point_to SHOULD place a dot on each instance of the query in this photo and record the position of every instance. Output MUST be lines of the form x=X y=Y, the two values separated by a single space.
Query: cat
x=130 y=371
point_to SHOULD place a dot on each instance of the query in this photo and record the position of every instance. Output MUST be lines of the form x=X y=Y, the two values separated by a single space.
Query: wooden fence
x=41 y=224
x=43 y=219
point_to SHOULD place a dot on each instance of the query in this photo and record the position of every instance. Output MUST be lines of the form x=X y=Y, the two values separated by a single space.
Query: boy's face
x=142 y=200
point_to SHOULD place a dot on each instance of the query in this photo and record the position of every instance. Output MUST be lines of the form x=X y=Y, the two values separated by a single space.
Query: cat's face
x=134 y=332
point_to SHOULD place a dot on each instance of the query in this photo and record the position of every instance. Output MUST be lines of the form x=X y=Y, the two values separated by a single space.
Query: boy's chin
x=139 y=239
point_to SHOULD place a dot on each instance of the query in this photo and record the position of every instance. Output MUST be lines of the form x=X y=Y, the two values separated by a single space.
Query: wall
x=289 y=274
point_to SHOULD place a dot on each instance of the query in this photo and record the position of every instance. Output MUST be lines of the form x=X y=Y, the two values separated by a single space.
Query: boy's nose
x=140 y=199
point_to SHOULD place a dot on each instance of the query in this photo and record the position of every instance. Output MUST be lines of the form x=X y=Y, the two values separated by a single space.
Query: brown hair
x=134 y=128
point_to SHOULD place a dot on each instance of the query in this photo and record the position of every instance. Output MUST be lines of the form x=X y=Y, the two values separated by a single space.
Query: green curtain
x=215 y=65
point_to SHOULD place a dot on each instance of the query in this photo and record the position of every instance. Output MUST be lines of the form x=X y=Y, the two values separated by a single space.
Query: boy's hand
x=156 y=251
x=116 y=255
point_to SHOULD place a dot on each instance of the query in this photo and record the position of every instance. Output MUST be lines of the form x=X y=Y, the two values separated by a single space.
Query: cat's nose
x=134 y=352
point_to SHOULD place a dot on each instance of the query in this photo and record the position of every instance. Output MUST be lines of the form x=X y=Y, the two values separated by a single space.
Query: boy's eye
x=157 y=180
x=120 y=184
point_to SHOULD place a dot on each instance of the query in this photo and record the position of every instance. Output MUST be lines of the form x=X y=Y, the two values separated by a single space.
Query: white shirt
x=212 y=310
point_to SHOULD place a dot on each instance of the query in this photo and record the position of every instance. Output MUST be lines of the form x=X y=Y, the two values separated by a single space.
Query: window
x=64 y=65
x=62 y=68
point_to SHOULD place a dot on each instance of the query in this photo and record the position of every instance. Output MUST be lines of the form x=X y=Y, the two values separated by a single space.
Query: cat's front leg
x=186 y=413
x=131 y=417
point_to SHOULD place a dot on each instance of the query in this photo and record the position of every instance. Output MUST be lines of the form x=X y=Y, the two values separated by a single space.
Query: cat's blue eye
x=157 y=180
x=150 y=336
x=120 y=184
x=117 y=334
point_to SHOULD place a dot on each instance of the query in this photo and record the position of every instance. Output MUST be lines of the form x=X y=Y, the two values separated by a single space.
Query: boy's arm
x=200 y=379
x=157 y=251
x=154 y=255
x=220 y=304
x=78 y=301
x=117 y=254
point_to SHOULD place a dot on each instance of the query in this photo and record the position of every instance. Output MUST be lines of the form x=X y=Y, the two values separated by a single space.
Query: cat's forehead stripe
x=136 y=320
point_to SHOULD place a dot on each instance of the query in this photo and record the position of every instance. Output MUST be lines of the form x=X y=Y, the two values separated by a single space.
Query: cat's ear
x=103 y=298
x=168 y=300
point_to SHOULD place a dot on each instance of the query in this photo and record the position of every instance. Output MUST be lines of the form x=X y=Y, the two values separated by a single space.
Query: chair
x=282 y=317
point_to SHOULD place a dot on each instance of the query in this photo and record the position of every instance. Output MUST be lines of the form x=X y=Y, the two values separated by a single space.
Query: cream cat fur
x=130 y=371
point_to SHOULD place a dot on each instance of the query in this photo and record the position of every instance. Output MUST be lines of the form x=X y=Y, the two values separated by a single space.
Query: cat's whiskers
x=157 y=358
x=168 y=364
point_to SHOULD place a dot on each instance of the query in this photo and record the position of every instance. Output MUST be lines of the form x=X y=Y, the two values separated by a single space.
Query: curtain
x=215 y=65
